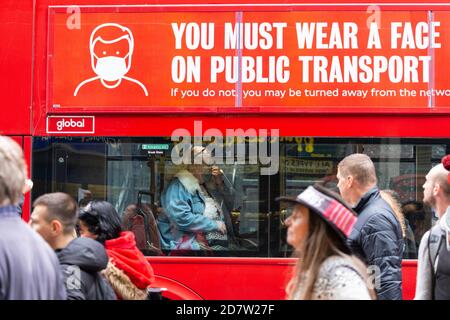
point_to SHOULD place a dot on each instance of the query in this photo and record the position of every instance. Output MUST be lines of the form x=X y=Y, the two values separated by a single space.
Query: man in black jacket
x=54 y=217
x=376 y=236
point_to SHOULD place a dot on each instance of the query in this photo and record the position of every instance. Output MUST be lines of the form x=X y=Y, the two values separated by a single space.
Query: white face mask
x=111 y=68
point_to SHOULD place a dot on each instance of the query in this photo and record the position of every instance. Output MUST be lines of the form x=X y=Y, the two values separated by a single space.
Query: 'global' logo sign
x=70 y=124
x=61 y=124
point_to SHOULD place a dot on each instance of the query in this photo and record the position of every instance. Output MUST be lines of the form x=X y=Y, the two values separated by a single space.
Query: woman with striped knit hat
x=318 y=226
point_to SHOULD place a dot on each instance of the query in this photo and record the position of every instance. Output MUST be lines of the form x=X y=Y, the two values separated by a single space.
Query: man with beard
x=433 y=271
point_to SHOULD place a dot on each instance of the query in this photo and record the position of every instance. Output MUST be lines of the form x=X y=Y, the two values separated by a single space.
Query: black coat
x=81 y=262
x=377 y=239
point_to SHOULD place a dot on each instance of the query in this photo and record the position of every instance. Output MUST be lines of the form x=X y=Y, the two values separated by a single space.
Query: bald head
x=436 y=189
x=439 y=175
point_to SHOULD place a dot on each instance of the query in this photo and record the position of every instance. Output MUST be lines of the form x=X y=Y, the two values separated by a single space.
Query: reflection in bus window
x=401 y=165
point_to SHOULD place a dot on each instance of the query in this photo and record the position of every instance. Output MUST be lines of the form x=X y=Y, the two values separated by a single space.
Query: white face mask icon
x=111 y=68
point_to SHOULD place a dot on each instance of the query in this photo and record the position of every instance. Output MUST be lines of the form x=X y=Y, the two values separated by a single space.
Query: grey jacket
x=424 y=290
x=29 y=269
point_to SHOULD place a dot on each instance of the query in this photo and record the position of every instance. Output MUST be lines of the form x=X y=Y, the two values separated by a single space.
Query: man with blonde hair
x=377 y=235
x=29 y=269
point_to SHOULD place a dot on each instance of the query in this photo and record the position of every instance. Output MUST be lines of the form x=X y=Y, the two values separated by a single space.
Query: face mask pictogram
x=110 y=70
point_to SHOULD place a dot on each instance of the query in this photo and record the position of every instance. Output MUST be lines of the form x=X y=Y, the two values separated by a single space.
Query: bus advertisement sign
x=150 y=61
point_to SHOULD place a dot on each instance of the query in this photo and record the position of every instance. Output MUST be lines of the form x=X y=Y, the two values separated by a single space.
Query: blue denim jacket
x=183 y=214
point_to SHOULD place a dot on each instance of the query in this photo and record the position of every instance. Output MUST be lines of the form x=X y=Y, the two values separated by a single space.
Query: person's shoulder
x=335 y=260
x=333 y=263
x=338 y=278
x=433 y=235
x=423 y=246
x=378 y=205
x=378 y=214
x=175 y=185
x=13 y=229
x=20 y=238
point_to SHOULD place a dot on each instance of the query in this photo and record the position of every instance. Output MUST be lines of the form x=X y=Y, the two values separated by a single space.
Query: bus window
x=401 y=166
x=148 y=189
x=157 y=198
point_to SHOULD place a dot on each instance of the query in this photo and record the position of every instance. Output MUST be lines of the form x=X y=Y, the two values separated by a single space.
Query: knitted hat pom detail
x=446 y=162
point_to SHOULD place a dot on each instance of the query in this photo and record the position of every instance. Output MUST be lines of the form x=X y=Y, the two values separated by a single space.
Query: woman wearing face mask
x=317 y=229
x=128 y=272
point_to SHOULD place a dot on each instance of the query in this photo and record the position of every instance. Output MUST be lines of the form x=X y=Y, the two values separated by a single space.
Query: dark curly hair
x=101 y=219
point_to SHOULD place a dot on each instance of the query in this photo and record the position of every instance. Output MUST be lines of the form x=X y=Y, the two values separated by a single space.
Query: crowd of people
x=47 y=260
x=348 y=245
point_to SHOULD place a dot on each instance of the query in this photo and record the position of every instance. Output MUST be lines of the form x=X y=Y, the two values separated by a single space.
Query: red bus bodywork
x=238 y=278
x=23 y=87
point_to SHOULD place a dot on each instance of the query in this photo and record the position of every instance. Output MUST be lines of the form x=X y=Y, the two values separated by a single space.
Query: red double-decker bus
x=101 y=95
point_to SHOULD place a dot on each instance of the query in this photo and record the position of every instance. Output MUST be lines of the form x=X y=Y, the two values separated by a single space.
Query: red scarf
x=127 y=257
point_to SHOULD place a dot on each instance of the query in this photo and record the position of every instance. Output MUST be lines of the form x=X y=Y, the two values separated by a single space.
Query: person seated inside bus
x=192 y=218
x=228 y=197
